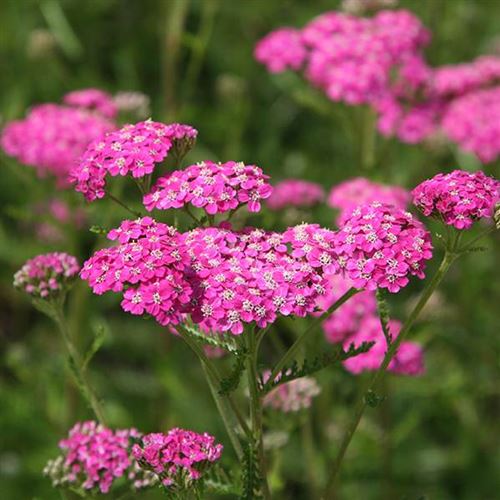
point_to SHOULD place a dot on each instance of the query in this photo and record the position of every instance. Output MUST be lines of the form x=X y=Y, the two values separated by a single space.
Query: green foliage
x=231 y=382
x=251 y=475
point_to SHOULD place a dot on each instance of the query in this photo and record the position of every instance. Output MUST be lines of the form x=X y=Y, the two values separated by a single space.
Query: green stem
x=256 y=407
x=288 y=356
x=223 y=403
x=75 y=358
x=123 y=205
x=379 y=374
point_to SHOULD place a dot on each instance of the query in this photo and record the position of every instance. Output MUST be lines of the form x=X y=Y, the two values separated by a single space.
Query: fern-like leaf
x=252 y=479
x=232 y=381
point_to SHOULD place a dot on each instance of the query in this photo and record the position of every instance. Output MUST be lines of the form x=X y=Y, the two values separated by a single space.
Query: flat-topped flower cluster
x=179 y=457
x=379 y=61
x=295 y=193
x=47 y=275
x=94 y=457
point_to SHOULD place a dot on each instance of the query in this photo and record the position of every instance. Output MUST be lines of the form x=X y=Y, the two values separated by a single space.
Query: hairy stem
x=379 y=374
x=75 y=358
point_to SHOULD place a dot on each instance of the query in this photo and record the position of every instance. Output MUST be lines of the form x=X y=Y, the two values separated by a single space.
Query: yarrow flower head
x=133 y=103
x=93 y=100
x=295 y=193
x=133 y=150
x=46 y=276
x=52 y=137
x=460 y=198
x=215 y=187
x=148 y=265
x=358 y=191
x=472 y=122
x=291 y=396
x=183 y=138
x=408 y=360
x=93 y=457
x=346 y=320
x=280 y=50
x=179 y=458
x=381 y=245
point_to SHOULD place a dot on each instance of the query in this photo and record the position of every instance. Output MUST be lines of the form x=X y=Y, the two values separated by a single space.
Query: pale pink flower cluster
x=62 y=215
x=295 y=193
x=350 y=58
x=358 y=191
x=215 y=187
x=381 y=245
x=93 y=100
x=460 y=198
x=47 y=275
x=472 y=121
x=409 y=359
x=222 y=278
x=281 y=50
x=94 y=457
x=179 y=458
x=52 y=137
x=291 y=396
x=133 y=103
x=133 y=150
x=362 y=6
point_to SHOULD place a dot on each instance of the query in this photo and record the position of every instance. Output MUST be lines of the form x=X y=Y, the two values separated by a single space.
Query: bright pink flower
x=281 y=50
x=381 y=246
x=133 y=150
x=179 y=457
x=52 y=137
x=215 y=187
x=93 y=100
x=459 y=198
x=93 y=457
x=47 y=275
x=409 y=357
x=359 y=191
x=295 y=193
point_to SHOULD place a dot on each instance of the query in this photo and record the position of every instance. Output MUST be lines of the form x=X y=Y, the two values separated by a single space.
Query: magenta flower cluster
x=358 y=191
x=215 y=187
x=133 y=150
x=93 y=100
x=408 y=360
x=222 y=278
x=295 y=193
x=93 y=457
x=291 y=396
x=179 y=457
x=460 y=198
x=47 y=275
x=281 y=50
x=381 y=246
x=52 y=137
x=350 y=58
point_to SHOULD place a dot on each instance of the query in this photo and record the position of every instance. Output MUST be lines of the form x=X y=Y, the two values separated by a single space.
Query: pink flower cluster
x=459 y=197
x=292 y=396
x=281 y=50
x=179 y=457
x=350 y=58
x=133 y=150
x=215 y=187
x=93 y=100
x=47 y=275
x=52 y=137
x=472 y=122
x=94 y=457
x=381 y=245
x=148 y=264
x=61 y=214
x=222 y=278
x=358 y=191
x=407 y=361
x=346 y=320
x=295 y=193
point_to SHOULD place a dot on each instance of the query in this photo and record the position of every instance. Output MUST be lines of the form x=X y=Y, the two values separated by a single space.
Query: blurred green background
x=436 y=437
